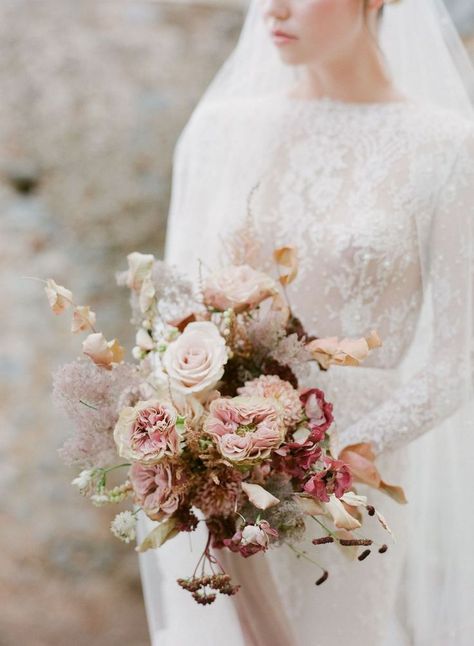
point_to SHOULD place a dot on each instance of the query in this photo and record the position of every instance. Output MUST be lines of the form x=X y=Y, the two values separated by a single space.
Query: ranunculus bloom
x=195 y=361
x=282 y=391
x=238 y=287
x=245 y=428
x=318 y=411
x=158 y=488
x=147 y=432
x=334 y=479
x=251 y=539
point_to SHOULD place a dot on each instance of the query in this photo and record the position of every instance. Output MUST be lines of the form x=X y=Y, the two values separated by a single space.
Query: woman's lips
x=281 y=37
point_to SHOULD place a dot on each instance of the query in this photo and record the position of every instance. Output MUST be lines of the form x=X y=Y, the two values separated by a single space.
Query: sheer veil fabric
x=220 y=156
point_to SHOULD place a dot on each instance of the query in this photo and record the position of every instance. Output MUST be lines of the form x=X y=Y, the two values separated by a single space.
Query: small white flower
x=83 y=480
x=123 y=526
x=99 y=499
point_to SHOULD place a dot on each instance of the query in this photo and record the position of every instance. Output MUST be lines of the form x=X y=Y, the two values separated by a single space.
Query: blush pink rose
x=195 y=361
x=237 y=287
x=159 y=489
x=245 y=428
x=148 y=431
x=318 y=411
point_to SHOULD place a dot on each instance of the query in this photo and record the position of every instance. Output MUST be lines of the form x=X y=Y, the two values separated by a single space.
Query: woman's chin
x=289 y=57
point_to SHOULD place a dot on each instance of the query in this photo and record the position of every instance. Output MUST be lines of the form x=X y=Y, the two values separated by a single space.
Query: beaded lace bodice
x=374 y=197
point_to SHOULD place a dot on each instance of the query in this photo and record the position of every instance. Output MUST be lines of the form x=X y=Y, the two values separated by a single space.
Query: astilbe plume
x=291 y=351
x=89 y=396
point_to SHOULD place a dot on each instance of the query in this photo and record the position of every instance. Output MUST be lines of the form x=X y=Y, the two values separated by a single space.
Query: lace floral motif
x=372 y=197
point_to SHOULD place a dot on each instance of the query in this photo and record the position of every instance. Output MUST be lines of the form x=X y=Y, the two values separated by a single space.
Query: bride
x=345 y=128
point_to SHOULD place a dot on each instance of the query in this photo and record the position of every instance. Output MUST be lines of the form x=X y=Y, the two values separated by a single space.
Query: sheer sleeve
x=443 y=383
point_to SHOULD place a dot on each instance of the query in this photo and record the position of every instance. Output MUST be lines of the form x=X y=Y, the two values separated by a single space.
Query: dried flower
x=219 y=497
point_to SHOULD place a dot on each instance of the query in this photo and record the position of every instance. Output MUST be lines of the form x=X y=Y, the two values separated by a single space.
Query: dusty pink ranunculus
x=245 y=428
x=318 y=411
x=195 y=361
x=148 y=431
x=282 y=391
x=158 y=488
x=334 y=479
x=238 y=287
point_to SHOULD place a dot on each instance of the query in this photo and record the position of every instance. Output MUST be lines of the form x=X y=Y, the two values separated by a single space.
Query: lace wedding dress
x=374 y=197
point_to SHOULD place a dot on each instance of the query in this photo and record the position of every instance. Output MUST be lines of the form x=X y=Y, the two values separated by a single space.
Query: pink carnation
x=245 y=428
x=318 y=411
x=282 y=391
x=158 y=489
x=148 y=431
x=334 y=479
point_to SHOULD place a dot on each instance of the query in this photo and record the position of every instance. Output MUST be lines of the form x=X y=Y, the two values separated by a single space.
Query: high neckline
x=330 y=102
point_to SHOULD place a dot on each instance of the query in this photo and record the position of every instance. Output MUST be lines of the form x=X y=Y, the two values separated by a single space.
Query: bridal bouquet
x=209 y=424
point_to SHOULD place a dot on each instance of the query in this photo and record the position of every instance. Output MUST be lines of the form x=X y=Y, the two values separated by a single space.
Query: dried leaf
x=395 y=492
x=159 y=535
x=341 y=517
x=102 y=352
x=59 y=297
x=258 y=496
x=286 y=256
x=344 y=352
x=383 y=522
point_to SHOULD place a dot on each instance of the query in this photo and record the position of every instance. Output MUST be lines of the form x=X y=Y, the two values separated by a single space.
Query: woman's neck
x=358 y=76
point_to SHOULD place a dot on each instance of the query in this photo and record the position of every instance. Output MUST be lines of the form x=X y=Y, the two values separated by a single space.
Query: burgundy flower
x=318 y=411
x=334 y=479
x=296 y=458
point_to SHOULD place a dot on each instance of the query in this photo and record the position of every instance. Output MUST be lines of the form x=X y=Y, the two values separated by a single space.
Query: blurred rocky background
x=94 y=94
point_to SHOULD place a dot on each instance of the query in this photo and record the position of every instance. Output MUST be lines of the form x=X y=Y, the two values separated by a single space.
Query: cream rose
x=238 y=287
x=195 y=361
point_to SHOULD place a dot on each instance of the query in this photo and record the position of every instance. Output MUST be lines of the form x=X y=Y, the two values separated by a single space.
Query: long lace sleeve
x=444 y=382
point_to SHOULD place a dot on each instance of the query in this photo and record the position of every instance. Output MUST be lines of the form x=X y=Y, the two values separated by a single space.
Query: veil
x=427 y=61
